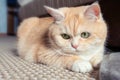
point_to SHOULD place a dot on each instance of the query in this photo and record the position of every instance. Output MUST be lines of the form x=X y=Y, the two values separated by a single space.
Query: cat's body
x=72 y=39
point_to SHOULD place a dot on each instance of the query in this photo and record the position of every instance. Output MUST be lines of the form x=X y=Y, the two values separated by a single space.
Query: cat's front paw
x=82 y=66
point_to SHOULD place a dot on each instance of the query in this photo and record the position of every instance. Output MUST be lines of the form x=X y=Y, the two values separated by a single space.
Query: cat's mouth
x=72 y=51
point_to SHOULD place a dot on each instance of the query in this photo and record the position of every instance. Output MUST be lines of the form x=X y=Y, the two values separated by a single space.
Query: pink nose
x=75 y=46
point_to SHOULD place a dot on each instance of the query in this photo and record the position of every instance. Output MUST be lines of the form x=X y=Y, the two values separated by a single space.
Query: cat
x=72 y=38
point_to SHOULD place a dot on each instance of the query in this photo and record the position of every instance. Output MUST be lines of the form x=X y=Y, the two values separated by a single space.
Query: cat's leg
x=96 y=60
x=75 y=63
x=72 y=62
x=30 y=56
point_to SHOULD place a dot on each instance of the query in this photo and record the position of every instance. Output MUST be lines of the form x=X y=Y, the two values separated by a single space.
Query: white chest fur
x=88 y=55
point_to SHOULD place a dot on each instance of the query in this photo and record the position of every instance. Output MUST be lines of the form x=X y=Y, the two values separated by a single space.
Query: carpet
x=12 y=67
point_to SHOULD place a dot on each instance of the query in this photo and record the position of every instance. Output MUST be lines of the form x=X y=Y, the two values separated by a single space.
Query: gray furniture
x=110 y=67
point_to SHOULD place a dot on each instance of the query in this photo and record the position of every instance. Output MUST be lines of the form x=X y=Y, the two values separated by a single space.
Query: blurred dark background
x=13 y=17
x=111 y=13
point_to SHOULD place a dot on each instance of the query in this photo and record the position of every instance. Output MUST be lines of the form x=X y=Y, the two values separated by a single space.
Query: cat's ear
x=55 y=13
x=93 y=11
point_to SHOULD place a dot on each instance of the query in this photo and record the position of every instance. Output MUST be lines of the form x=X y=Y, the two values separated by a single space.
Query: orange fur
x=39 y=39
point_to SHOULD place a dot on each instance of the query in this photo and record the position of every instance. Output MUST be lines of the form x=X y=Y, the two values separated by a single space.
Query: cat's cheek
x=60 y=41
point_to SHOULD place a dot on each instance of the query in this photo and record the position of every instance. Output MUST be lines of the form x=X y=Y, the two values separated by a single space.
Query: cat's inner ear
x=55 y=13
x=93 y=11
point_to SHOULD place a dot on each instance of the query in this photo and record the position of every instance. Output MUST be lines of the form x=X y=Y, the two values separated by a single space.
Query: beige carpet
x=12 y=67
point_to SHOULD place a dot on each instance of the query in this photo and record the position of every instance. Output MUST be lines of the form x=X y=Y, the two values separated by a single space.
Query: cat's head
x=77 y=29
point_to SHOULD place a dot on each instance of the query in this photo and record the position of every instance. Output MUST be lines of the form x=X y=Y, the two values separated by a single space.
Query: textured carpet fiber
x=12 y=67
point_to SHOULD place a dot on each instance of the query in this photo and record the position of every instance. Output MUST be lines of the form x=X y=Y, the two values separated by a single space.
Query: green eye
x=65 y=36
x=85 y=34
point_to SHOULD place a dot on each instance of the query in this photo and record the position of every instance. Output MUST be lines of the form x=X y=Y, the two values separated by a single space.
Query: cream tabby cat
x=72 y=38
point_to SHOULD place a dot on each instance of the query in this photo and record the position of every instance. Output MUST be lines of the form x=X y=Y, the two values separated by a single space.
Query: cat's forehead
x=76 y=25
x=74 y=16
x=73 y=23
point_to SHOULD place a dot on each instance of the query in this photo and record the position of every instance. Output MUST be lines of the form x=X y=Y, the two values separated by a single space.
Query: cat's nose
x=75 y=46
